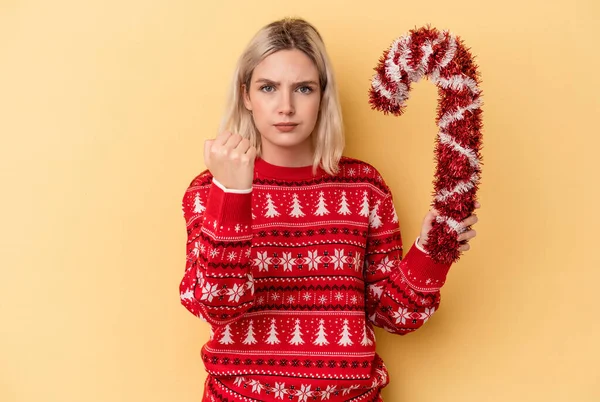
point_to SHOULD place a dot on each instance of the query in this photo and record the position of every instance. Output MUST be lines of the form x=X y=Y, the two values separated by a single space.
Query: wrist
x=231 y=190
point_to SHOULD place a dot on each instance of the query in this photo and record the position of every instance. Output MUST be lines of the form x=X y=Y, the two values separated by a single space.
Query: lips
x=285 y=127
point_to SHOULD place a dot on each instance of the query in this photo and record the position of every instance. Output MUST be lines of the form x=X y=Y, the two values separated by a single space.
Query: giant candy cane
x=443 y=58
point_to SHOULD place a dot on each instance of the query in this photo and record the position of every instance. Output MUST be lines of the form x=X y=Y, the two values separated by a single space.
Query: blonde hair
x=286 y=34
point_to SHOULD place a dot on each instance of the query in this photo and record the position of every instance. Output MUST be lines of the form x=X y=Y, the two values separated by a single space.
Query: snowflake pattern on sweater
x=293 y=275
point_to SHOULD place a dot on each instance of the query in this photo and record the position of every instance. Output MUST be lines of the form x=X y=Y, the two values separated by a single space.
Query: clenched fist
x=230 y=159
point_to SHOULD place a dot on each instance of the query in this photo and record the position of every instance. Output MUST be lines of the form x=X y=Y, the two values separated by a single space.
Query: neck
x=287 y=157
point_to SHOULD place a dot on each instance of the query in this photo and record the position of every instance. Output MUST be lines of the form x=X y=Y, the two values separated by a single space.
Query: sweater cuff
x=421 y=271
x=230 y=190
x=227 y=211
x=419 y=246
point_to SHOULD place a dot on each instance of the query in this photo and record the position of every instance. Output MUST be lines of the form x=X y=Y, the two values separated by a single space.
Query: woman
x=295 y=252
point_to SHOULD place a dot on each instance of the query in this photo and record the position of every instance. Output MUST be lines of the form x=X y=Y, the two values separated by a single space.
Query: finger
x=429 y=218
x=477 y=204
x=251 y=153
x=471 y=220
x=233 y=141
x=464 y=247
x=466 y=236
x=223 y=137
x=243 y=146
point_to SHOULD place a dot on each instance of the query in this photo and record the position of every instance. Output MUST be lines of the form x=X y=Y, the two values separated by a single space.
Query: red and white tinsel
x=443 y=58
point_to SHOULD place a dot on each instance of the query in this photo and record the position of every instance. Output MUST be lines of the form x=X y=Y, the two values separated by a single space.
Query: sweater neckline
x=266 y=169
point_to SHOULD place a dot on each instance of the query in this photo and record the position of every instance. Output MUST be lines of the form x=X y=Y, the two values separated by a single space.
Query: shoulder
x=359 y=171
x=356 y=167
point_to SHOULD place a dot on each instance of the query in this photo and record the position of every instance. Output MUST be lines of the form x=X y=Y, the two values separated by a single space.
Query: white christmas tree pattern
x=344 y=210
x=198 y=206
x=321 y=205
x=296 y=211
x=226 y=338
x=345 y=335
x=188 y=295
x=297 y=338
x=395 y=215
x=272 y=339
x=271 y=209
x=365 y=205
x=250 y=340
x=321 y=338
x=374 y=218
x=366 y=341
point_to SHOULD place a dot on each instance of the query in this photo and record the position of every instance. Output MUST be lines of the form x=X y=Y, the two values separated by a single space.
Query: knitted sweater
x=293 y=274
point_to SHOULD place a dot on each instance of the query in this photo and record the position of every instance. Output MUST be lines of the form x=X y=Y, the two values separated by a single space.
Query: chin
x=287 y=140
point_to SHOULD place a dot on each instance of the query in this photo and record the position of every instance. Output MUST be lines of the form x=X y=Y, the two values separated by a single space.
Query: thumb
x=430 y=217
x=207 y=146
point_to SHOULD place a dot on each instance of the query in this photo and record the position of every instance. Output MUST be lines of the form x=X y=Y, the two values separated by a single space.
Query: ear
x=246 y=97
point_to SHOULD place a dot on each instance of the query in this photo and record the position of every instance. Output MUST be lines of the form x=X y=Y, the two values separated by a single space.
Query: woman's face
x=284 y=97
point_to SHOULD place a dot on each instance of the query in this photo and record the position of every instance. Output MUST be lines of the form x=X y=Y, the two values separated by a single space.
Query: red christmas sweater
x=293 y=274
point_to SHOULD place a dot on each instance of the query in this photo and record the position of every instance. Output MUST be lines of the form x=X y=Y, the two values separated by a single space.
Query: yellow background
x=104 y=107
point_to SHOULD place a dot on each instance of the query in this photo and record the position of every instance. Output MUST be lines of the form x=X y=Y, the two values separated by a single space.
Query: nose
x=286 y=103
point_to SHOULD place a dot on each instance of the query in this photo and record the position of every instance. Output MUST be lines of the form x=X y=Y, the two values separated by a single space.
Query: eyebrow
x=267 y=81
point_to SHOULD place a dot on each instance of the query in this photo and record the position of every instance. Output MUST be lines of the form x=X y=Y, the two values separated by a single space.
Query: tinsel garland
x=444 y=60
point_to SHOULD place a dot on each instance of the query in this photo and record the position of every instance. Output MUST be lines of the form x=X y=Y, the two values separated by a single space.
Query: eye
x=267 y=88
x=305 y=89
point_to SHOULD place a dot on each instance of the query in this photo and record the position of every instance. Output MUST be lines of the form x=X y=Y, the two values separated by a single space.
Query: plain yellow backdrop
x=104 y=107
